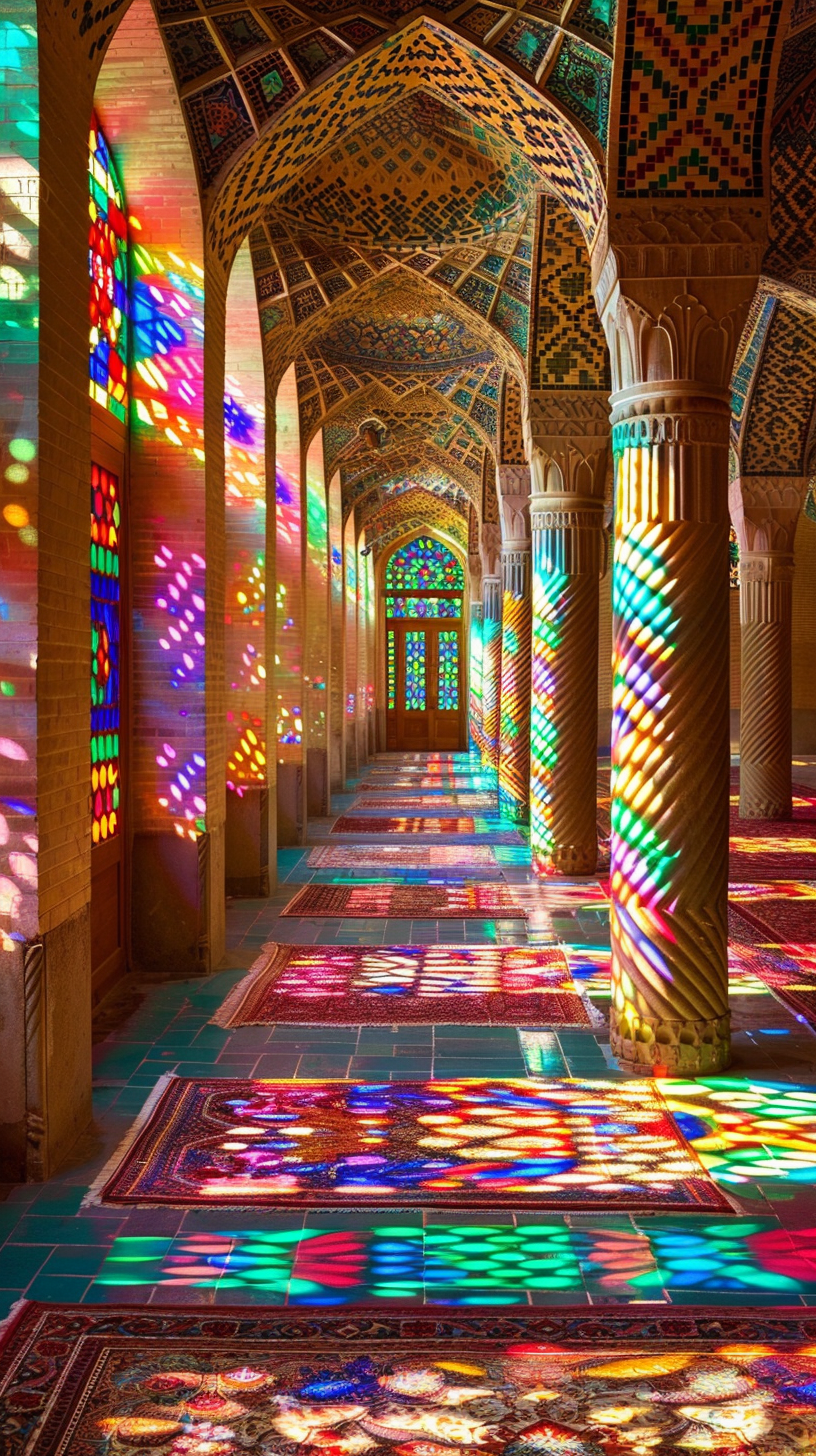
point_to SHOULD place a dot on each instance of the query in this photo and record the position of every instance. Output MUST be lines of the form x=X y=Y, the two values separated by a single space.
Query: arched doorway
x=423 y=602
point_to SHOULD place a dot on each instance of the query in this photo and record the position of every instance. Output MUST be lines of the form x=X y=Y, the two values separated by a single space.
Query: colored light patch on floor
x=466 y=1143
x=365 y=985
x=548 y=1385
x=475 y=1263
x=404 y=856
x=407 y=902
x=422 y=825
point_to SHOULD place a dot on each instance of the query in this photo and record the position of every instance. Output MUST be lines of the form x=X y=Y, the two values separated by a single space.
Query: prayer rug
x=403 y=857
x=419 y=786
x=785 y=966
x=576 y=1381
x=549 y=1144
x=782 y=910
x=428 y=803
x=464 y=825
x=764 y=849
x=379 y=985
x=408 y=902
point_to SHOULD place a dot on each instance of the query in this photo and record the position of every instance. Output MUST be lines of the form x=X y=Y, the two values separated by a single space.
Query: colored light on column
x=641 y=858
x=549 y=585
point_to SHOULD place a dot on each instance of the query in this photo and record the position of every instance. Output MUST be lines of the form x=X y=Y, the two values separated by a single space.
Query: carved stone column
x=516 y=641
x=670 y=731
x=569 y=434
x=475 y=679
x=764 y=510
x=513 y=494
x=766 y=593
x=491 y=667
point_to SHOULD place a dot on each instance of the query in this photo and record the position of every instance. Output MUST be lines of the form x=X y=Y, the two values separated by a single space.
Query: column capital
x=567 y=434
x=668 y=331
x=765 y=510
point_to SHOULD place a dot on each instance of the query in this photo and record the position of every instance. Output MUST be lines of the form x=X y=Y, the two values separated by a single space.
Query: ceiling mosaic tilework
x=777 y=431
x=433 y=514
x=402 y=341
x=748 y=357
x=569 y=348
x=512 y=435
x=797 y=61
x=418 y=173
x=422 y=56
x=293 y=49
x=793 y=217
x=693 y=99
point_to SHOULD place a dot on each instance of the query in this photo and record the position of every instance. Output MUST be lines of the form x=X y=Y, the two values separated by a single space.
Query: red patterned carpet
x=79 y=1380
x=462 y=1143
x=375 y=985
x=408 y=902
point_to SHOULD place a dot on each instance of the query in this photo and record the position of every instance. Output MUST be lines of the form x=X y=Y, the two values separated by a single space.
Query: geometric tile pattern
x=569 y=347
x=793 y=218
x=422 y=56
x=581 y=79
x=748 y=356
x=780 y=410
x=694 y=86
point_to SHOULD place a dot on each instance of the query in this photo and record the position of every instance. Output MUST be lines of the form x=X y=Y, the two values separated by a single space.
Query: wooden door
x=425 y=685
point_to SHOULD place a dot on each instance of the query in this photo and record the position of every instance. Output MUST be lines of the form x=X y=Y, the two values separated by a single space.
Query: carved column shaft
x=491 y=667
x=475 y=684
x=766 y=594
x=764 y=512
x=514 y=731
x=670 y=736
x=568 y=552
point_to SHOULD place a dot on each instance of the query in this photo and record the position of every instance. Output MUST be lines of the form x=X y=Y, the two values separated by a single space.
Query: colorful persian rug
x=462 y=826
x=408 y=902
x=449 y=784
x=768 y=850
x=377 y=985
x=403 y=857
x=783 y=911
x=428 y=803
x=76 y=1380
x=786 y=967
x=461 y=1143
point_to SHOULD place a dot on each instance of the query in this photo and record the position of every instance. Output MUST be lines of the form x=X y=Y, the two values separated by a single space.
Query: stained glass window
x=424 y=565
x=106 y=526
x=392 y=671
x=448 y=684
x=733 y=559
x=423 y=606
x=415 y=672
x=107 y=264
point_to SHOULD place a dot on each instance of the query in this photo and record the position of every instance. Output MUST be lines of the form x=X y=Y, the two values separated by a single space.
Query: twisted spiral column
x=514 y=729
x=475 y=682
x=670 y=733
x=491 y=668
x=567 y=558
x=766 y=593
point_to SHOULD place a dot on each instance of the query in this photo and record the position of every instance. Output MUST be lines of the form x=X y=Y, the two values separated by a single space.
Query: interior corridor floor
x=755 y=1129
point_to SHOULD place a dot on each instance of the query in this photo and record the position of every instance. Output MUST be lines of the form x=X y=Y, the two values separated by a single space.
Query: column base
x=759 y=800
x=511 y=809
x=569 y=860
x=673 y=1048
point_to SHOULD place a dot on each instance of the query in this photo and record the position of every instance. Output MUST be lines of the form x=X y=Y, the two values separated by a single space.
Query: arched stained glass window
x=106 y=525
x=424 y=565
x=107 y=264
